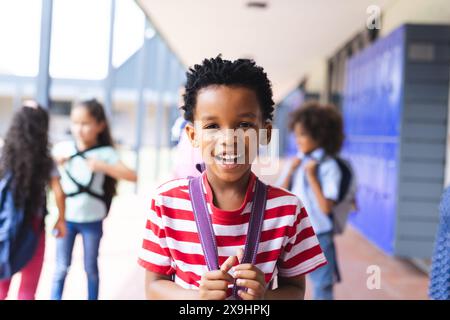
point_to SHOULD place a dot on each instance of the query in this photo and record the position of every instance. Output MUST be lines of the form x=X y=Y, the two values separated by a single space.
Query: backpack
x=347 y=195
x=107 y=200
x=18 y=239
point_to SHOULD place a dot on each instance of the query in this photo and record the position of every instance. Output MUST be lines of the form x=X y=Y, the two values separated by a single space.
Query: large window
x=20 y=22
x=128 y=30
x=80 y=39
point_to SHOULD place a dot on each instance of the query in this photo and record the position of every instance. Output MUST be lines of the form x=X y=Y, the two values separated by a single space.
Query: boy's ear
x=268 y=128
x=190 y=131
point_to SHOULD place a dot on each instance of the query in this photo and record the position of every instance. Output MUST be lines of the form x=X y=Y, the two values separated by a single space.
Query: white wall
x=395 y=13
x=414 y=11
x=317 y=77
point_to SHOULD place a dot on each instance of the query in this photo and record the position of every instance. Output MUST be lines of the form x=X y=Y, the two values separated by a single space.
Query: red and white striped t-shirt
x=288 y=245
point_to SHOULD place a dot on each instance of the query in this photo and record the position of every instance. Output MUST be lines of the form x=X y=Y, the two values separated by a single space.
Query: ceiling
x=287 y=38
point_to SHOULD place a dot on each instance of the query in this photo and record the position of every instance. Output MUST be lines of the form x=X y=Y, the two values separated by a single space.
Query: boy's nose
x=229 y=136
x=226 y=142
x=225 y=136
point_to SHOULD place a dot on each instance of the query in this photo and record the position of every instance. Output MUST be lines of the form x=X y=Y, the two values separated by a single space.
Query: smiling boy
x=224 y=99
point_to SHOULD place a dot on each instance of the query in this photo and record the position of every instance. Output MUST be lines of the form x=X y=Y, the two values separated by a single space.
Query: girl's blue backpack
x=18 y=240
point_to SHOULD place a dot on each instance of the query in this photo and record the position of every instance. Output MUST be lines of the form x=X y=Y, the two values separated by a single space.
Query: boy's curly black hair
x=323 y=123
x=216 y=71
x=26 y=156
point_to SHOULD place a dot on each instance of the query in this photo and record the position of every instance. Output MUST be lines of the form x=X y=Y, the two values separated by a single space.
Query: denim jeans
x=323 y=278
x=91 y=233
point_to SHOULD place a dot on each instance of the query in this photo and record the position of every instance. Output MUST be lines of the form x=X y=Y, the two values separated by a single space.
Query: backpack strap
x=206 y=232
x=200 y=167
x=254 y=228
x=204 y=223
x=84 y=188
x=82 y=153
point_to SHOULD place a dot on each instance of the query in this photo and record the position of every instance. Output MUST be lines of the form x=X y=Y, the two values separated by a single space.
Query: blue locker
x=380 y=100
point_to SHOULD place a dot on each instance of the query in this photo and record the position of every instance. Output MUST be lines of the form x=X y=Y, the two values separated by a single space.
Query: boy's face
x=304 y=141
x=227 y=120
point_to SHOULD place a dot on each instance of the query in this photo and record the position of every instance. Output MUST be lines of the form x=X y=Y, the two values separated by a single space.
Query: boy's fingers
x=244 y=266
x=214 y=285
x=217 y=275
x=250 y=284
x=246 y=274
x=240 y=254
x=246 y=296
x=252 y=292
x=228 y=264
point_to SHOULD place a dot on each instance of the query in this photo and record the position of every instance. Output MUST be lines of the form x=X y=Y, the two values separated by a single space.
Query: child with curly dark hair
x=25 y=157
x=315 y=177
x=229 y=107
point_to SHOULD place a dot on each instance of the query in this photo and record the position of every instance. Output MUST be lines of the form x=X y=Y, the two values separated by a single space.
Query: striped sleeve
x=301 y=253
x=154 y=254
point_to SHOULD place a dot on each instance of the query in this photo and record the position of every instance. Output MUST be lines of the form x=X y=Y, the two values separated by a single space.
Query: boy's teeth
x=227 y=157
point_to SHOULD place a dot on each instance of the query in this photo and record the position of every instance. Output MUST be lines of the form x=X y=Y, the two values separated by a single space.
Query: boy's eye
x=245 y=125
x=211 y=126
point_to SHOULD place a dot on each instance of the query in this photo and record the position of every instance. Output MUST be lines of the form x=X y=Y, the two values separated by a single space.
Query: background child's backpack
x=106 y=199
x=347 y=196
x=18 y=240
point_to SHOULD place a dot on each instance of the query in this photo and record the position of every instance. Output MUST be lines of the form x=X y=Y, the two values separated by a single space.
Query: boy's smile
x=227 y=120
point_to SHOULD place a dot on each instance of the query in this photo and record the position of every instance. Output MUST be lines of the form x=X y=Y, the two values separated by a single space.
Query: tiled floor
x=399 y=279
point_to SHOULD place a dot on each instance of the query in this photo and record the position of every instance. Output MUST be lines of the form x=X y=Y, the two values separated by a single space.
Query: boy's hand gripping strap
x=206 y=232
